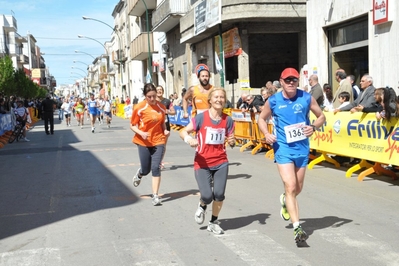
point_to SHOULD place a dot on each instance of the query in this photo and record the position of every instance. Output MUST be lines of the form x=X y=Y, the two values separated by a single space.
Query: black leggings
x=204 y=178
x=150 y=159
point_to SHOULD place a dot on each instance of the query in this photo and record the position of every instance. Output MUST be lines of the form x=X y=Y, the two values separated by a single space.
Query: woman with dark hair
x=388 y=105
x=148 y=124
x=170 y=110
x=384 y=107
x=328 y=98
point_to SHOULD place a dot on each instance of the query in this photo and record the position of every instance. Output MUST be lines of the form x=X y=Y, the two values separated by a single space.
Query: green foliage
x=15 y=82
x=6 y=75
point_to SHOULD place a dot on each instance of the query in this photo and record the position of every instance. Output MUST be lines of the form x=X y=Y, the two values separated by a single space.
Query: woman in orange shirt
x=148 y=124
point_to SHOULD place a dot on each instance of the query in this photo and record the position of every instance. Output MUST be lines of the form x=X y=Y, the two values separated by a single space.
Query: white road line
x=255 y=248
x=146 y=251
x=32 y=257
x=365 y=244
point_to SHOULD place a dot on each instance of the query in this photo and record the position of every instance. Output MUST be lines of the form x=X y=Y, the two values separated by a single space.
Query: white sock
x=296 y=224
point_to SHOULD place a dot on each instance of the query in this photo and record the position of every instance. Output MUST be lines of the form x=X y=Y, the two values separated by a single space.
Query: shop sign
x=380 y=11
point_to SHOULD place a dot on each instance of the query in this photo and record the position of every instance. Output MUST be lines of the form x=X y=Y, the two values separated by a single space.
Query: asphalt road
x=68 y=199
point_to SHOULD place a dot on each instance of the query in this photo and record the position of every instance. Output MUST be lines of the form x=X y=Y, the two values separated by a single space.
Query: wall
x=383 y=59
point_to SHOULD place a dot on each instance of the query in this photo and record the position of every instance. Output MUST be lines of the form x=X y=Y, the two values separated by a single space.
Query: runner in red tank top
x=213 y=129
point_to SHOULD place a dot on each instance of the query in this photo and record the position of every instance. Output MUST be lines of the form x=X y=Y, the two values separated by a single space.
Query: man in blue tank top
x=289 y=110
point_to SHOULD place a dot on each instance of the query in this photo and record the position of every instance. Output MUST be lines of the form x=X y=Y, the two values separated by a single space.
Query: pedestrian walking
x=290 y=138
x=47 y=108
x=212 y=129
x=148 y=124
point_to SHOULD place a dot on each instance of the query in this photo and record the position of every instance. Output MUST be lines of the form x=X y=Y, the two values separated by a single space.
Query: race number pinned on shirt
x=215 y=136
x=295 y=132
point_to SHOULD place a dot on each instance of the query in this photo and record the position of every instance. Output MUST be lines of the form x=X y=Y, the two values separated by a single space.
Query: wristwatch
x=314 y=128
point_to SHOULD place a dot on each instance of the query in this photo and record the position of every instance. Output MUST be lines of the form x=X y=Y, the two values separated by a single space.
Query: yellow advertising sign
x=36 y=73
x=358 y=135
x=231 y=43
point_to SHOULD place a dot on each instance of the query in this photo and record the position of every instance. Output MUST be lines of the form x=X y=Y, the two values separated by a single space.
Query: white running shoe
x=136 y=178
x=25 y=139
x=199 y=215
x=215 y=228
x=156 y=200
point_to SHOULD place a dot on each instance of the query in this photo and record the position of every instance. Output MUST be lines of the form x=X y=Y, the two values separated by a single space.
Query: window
x=351 y=32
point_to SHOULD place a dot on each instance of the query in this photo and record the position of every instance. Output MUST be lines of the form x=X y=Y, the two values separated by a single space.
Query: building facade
x=24 y=53
x=259 y=39
x=358 y=36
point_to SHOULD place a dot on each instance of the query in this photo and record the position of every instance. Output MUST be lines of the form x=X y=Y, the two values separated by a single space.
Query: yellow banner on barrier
x=358 y=135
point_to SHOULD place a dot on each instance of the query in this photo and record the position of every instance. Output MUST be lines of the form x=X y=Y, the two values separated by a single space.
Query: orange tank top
x=200 y=101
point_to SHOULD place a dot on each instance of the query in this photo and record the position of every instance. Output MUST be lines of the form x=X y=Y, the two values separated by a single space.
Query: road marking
x=365 y=244
x=26 y=214
x=41 y=256
x=255 y=248
x=146 y=251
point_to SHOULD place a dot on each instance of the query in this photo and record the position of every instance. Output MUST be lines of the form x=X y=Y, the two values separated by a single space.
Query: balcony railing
x=137 y=7
x=23 y=59
x=139 y=47
x=168 y=14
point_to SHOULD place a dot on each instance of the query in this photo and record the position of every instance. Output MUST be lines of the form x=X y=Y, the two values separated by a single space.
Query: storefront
x=358 y=36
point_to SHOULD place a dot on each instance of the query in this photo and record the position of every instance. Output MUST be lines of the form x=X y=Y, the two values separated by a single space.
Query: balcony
x=283 y=11
x=23 y=59
x=139 y=47
x=137 y=7
x=168 y=14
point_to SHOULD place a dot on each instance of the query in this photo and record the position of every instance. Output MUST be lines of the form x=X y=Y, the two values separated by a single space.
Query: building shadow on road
x=312 y=224
x=239 y=222
x=48 y=180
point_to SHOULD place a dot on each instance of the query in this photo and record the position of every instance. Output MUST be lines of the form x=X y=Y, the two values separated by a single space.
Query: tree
x=6 y=76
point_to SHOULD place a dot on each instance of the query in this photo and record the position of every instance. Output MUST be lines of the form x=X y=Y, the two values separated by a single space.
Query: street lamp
x=81 y=63
x=148 y=40
x=80 y=52
x=82 y=36
x=76 y=73
x=114 y=30
x=119 y=43
x=79 y=69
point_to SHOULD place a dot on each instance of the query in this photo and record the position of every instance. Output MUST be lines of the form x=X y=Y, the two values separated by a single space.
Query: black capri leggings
x=150 y=158
x=204 y=178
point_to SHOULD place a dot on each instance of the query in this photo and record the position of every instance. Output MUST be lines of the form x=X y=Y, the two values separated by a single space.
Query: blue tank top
x=92 y=104
x=286 y=113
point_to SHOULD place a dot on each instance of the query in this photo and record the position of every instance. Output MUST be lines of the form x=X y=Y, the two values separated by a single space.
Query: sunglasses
x=288 y=80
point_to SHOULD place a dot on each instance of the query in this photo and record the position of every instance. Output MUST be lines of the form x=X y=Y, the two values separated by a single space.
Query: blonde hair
x=214 y=89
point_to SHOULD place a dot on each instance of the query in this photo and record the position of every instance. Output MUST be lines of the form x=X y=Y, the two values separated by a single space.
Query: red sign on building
x=380 y=11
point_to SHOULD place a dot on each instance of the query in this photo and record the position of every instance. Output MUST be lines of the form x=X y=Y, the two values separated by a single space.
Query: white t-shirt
x=67 y=107
x=107 y=106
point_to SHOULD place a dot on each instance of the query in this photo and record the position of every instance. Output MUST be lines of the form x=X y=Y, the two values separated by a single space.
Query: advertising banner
x=358 y=135
x=231 y=43
x=178 y=119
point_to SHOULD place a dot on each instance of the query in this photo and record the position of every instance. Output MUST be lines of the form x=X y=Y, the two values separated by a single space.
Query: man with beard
x=198 y=94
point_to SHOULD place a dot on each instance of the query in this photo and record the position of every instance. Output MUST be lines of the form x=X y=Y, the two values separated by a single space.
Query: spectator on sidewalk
x=47 y=109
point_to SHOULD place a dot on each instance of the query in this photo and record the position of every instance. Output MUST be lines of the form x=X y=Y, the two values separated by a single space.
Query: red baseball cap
x=289 y=72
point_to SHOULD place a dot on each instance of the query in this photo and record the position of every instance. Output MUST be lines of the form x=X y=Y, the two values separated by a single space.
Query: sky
x=56 y=24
